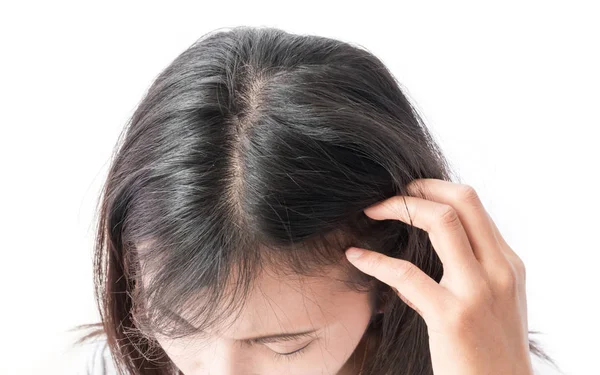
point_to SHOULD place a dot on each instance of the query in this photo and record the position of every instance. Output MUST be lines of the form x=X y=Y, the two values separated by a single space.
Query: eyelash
x=292 y=355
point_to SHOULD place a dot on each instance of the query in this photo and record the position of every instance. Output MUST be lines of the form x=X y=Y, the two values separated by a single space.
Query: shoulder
x=91 y=357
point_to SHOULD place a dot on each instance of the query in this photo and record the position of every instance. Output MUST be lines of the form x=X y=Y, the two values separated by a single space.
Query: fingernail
x=353 y=253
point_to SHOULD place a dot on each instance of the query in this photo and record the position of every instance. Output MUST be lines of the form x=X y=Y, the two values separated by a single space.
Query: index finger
x=445 y=230
x=425 y=295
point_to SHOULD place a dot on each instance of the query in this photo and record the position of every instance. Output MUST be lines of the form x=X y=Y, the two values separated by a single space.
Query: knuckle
x=506 y=279
x=520 y=267
x=468 y=194
x=448 y=216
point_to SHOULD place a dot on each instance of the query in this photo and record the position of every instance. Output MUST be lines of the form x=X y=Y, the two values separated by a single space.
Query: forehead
x=278 y=304
x=296 y=295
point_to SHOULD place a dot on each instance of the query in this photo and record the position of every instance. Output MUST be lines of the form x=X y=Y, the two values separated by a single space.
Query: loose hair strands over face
x=257 y=148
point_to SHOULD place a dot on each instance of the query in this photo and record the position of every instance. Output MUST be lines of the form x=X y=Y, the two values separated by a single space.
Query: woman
x=236 y=191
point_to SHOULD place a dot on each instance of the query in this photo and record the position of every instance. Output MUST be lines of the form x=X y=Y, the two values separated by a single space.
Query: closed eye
x=295 y=351
x=291 y=355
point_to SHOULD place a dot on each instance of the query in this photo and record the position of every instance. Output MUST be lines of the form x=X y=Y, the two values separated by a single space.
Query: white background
x=510 y=90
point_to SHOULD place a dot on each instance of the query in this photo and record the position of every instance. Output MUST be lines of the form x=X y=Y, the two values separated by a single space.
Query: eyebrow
x=265 y=339
x=280 y=337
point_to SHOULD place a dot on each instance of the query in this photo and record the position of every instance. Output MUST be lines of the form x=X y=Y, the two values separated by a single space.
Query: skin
x=477 y=315
x=277 y=305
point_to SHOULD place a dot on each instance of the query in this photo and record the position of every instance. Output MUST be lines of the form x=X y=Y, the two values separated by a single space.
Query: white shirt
x=90 y=358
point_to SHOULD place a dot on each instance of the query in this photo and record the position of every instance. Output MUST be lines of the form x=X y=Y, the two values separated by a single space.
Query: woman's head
x=235 y=189
x=323 y=321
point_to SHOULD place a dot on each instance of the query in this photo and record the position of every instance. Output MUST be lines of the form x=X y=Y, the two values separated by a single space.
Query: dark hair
x=256 y=147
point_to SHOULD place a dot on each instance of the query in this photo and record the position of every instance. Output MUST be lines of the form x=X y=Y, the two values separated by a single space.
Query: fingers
x=445 y=230
x=515 y=260
x=470 y=210
x=486 y=242
x=417 y=289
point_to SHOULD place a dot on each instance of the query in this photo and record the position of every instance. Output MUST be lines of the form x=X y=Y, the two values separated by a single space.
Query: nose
x=227 y=358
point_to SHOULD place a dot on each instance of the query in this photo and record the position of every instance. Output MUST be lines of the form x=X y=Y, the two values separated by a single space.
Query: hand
x=477 y=315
